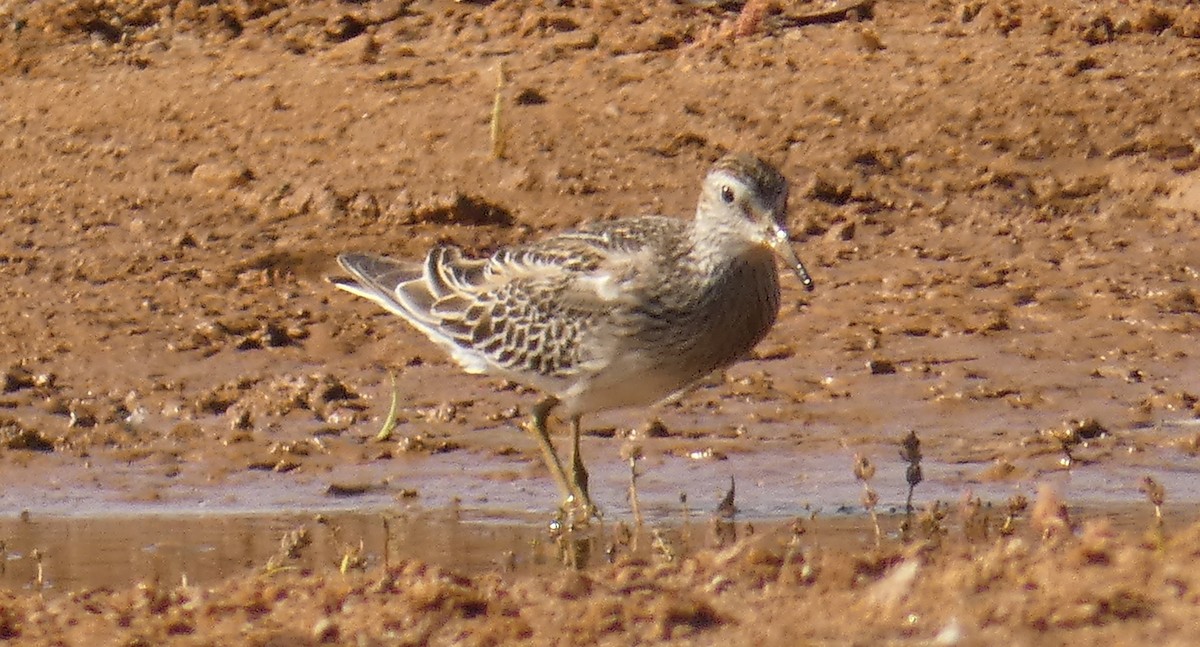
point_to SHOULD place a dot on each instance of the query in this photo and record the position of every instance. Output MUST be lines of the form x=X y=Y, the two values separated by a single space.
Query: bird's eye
x=727 y=194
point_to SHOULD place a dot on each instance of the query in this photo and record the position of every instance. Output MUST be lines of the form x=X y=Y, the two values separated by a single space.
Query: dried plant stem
x=389 y=423
x=1157 y=495
x=633 y=493
x=793 y=549
x=870 y=500
x=497 y=121
x=910 y=451
x=864 y=471
x=37 y=556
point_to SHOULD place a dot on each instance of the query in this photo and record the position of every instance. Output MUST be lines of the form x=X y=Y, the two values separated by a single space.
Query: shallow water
x=771 y=483
x=169 y=548
x=52 y=552
x=459 y=511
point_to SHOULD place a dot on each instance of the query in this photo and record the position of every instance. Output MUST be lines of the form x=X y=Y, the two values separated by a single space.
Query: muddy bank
x=966 y=574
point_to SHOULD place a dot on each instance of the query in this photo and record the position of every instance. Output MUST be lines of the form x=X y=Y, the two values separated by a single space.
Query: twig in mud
x=37 y=556
x=631 y=452
x=864 y=471
x=497 y=121
x=754 y=14
x=389 y=423
x=273 y=567
x=933 y=361
x=685 y=527
x=387 y=541
x=852 y=10
x=910 y=451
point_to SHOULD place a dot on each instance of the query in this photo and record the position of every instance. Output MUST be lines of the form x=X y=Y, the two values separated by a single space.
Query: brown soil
x=998 y=200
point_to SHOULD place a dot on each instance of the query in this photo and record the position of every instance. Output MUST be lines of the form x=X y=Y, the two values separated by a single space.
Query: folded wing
x=545 y=309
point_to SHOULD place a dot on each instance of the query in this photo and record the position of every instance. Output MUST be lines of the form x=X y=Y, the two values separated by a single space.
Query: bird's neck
x=715 y=245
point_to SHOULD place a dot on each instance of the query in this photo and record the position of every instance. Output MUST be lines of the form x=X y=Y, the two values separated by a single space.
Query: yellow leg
x=579 y=475
x=537 y=427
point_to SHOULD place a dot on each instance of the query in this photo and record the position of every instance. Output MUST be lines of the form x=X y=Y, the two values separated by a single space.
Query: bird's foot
x=577 y=513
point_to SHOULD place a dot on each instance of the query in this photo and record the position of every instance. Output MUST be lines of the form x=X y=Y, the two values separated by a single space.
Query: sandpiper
x=617 y=314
